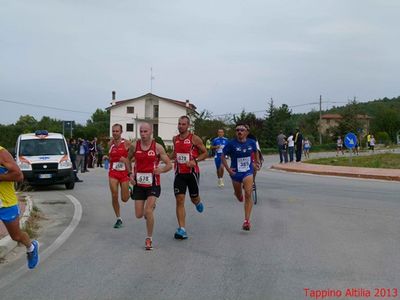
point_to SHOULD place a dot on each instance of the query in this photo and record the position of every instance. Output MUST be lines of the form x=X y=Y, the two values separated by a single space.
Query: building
x=162 y=113
x=332 y=120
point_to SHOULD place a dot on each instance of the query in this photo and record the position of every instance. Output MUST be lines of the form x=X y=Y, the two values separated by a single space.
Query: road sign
x=350 y=140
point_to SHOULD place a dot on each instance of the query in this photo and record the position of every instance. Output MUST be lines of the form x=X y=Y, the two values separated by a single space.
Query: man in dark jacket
x=298 y=144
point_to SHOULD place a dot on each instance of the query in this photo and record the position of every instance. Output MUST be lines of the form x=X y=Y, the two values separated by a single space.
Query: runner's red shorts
x=121 y=176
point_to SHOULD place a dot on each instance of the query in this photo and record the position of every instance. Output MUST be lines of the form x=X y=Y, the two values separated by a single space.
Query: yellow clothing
x=7 y=192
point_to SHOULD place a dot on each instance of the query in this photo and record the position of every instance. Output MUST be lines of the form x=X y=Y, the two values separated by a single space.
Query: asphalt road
x=308 y=231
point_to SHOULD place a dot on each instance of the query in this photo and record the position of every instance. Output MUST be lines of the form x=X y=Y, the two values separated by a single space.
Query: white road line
x=53 y=247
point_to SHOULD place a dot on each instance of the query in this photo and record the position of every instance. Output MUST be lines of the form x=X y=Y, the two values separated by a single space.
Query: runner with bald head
x=146 y=177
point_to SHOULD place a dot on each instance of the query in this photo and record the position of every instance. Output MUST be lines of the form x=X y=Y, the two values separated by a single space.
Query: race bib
x=243 y=164
x=144 y=178
x=220 y=149
x=182 y=158
x=119 y=166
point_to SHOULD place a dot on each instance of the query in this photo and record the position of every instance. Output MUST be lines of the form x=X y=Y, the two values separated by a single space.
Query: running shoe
x=246 y=225
x=180 y=234
x=118 y=224
x=200 y=207
x=33 y=257
x=148 y=244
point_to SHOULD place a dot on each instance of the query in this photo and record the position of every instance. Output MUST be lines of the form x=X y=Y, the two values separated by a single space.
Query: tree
x=387 y=120
x=276 y=119
x=349 y=121
x=205 y=126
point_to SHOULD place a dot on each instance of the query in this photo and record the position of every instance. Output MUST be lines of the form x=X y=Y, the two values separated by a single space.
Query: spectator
x=339 y=145
x=298 y=144
x=281 y=141
x=372 y=143
x=290 y=144
x=306 y=147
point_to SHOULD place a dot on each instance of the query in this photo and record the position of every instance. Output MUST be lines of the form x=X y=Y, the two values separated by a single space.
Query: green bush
x=382 y=138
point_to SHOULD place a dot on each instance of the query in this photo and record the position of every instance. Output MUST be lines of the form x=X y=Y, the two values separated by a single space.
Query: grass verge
x=385 y=160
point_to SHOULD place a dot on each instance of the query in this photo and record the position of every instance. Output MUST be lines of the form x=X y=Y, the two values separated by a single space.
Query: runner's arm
x=226 y=166
x=172 y=154
x=13 y=171
x=164 y=158
x=200 y=145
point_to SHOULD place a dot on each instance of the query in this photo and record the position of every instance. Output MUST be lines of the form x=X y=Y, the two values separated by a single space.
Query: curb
x=6 y=243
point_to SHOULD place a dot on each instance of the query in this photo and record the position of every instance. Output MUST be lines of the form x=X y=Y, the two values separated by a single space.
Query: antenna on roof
x=151 y=80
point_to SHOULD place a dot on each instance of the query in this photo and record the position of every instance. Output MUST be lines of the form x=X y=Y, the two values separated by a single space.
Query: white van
x=44 y=159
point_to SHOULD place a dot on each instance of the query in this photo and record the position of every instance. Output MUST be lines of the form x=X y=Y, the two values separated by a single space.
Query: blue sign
x=350 y=140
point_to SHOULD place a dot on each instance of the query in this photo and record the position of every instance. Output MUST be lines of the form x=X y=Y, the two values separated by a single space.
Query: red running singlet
x=145 y=163
x=118 y=169
x=185 y=151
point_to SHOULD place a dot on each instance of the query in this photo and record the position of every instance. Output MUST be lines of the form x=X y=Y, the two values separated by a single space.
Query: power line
x=44 y=106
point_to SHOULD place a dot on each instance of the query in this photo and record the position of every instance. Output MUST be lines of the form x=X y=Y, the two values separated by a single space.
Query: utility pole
x=320 y=119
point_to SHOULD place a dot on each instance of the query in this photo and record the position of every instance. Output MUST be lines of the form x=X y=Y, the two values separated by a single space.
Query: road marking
x=53 y=247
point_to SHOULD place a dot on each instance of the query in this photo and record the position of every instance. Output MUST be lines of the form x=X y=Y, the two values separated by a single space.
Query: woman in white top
x=290 y=142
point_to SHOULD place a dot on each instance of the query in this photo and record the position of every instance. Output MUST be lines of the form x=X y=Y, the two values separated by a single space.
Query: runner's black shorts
x=190 y=181
x=142 y=193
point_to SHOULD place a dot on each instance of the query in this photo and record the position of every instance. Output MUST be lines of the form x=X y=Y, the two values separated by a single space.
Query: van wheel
x=70 y=185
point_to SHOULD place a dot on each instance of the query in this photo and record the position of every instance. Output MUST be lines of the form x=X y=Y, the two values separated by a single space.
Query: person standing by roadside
x=118 y=171
x=244 y=159
x=9 y=209
x=372 y=143
x=188 y=151
x=282 y=144
x=80 y=156
x=298 y=144
x=100 y=150
x=290 y=144
x=73 y=150
x=339 y=145
x=146 y=177
x=218 y=145
x=306 y=147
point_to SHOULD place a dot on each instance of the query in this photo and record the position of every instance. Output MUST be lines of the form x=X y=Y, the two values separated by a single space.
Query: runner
x=118 y=170
x=218 y=145
x=188 y=151
x=9 y=209
x=241 y=149
x=146 y=177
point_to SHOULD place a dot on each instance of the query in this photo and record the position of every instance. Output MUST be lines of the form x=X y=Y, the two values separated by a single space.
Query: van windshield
x=39 y=147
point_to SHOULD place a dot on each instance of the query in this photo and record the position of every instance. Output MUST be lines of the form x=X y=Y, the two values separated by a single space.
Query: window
x=129 y=127
x=155 y=129
x=130 y=109
x=155 y=111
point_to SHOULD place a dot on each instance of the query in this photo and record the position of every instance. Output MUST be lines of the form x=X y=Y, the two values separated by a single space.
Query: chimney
x=187 y=103
x=113 y=98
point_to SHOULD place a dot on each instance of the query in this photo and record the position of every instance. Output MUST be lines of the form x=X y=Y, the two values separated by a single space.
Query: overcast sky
x=222 y=55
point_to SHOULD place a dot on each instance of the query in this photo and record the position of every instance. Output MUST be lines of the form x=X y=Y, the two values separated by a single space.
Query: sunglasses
x=240 y=129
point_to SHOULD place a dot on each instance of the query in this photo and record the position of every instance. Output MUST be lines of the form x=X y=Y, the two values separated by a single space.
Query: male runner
x=146 y=177
x=9 y=209
x=218 y=145
x=188 y=151
x=118 y=171
x=242 y=150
